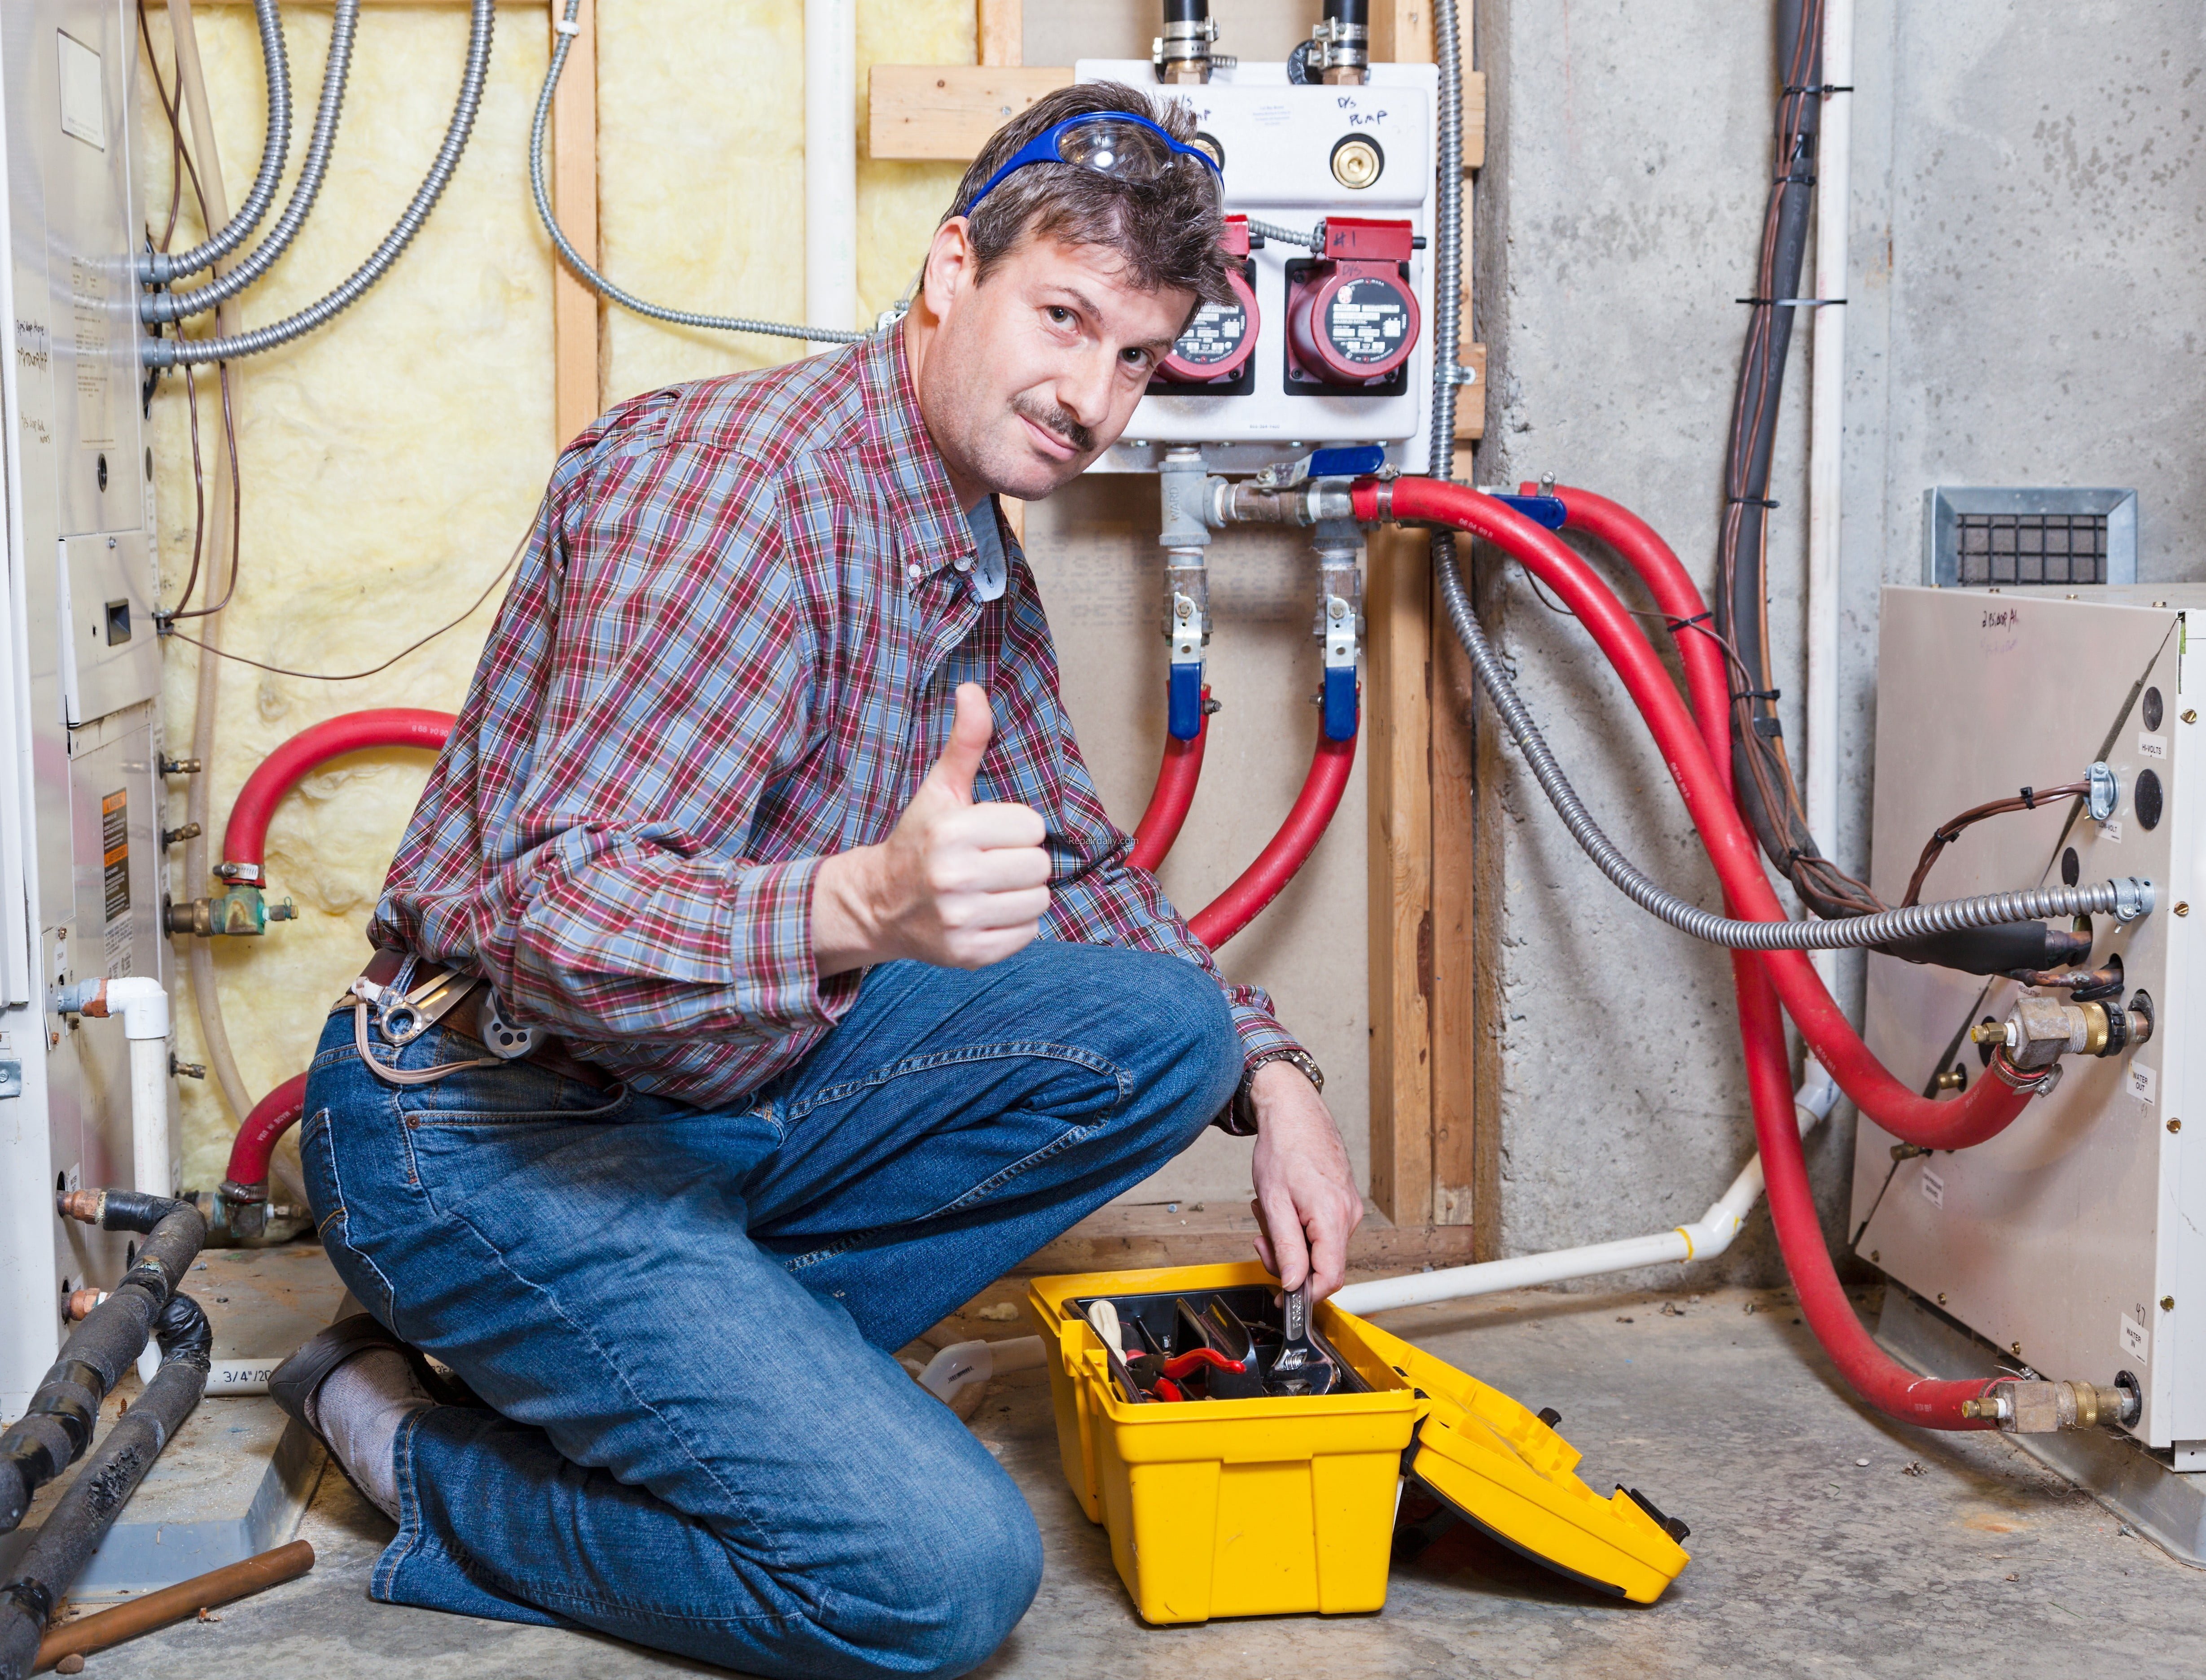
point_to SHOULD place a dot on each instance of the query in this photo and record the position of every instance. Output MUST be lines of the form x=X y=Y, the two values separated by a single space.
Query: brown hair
x=1167 y=231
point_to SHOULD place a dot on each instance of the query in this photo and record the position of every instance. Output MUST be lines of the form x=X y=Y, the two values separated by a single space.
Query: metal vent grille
x=1992 y=538
x=2031 y=548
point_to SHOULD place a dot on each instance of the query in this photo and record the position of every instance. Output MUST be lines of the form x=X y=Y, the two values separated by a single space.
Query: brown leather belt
x=458 y=1005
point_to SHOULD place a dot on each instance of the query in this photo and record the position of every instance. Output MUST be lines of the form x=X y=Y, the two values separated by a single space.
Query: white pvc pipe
x=962 y=1364
x=1705 y=1238
x=830 y=164
x=1826 y=432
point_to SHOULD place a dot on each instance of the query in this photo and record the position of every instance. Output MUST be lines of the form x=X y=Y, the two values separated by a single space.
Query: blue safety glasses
x=1116 y=143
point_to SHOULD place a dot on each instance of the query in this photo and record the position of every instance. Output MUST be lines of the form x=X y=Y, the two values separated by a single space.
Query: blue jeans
x=684 y=1319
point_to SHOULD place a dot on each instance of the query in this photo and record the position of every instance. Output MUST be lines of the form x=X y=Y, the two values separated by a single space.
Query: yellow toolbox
x=1281 y=1504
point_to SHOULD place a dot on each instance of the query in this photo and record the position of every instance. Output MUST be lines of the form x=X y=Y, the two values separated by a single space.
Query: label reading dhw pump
x=1367 y=319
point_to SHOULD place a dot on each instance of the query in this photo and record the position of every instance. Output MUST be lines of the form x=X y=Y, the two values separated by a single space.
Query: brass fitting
x=2042 y=1030
x=2039 y=1407
x=237 y=910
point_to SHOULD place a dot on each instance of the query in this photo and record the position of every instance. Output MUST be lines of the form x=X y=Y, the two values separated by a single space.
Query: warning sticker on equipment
x=2135 y=1341
x=115 y=883
x=1367 y=319
x=1933 y=1188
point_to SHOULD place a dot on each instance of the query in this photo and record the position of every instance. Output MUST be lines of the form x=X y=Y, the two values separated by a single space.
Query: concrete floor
x=1941 y=1556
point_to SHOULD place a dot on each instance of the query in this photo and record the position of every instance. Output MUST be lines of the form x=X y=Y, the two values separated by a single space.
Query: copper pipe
x=226 y=1585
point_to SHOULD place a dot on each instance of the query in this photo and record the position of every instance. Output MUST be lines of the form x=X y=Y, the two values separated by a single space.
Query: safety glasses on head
x=1115 y=143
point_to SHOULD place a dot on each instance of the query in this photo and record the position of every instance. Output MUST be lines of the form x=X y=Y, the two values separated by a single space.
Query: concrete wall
x=2024 y=308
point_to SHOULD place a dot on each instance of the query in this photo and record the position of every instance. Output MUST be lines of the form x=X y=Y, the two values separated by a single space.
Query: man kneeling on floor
x=764 y=804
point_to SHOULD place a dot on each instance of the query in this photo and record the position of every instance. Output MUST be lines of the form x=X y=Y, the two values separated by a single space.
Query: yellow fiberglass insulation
x=391 y=461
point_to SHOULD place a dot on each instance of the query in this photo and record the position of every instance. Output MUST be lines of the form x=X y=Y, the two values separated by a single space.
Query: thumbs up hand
x=957 y=883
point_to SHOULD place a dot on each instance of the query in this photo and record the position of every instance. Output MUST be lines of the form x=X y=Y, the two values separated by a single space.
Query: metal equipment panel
x=83 y=805
x=2064 y=1239
x=1280 y=141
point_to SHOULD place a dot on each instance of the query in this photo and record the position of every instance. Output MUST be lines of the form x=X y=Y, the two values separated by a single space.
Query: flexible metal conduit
x=158 y=268
x=1315 y=242
x=172 y=352
x=180 y=305
x=597 y=281
x=1846 y=934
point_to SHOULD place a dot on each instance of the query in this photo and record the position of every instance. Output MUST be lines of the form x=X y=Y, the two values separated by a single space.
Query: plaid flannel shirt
x=731 y=651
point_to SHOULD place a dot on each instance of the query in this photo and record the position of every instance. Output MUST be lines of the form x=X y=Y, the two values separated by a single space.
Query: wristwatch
x=1240 y=1119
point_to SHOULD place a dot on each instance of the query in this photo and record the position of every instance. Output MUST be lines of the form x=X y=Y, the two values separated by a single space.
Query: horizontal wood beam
x=1184 y=1233
x=947 y=112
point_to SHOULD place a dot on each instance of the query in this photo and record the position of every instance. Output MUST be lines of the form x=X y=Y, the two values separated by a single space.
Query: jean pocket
x=333 y=1221
x=518 y=1092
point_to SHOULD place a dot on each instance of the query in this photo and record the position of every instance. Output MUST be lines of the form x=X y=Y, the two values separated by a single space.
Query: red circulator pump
x=1352 y=315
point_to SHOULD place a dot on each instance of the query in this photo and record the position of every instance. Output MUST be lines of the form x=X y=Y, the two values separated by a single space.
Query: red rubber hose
x=246 y=840
x=1176 y=775
x=1990 y=1105
x=274 y=1115
x=1707 y=677
x=1261 y=882
x=1885 y=1384
x=1874 y=1375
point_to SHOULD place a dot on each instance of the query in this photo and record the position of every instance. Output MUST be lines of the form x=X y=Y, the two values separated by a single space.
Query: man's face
x=1027 y=376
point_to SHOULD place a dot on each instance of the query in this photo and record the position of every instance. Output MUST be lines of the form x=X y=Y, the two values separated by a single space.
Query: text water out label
x=2135 y=1341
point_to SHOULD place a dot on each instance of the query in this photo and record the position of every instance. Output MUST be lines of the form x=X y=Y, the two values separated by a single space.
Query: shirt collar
x=930 y=530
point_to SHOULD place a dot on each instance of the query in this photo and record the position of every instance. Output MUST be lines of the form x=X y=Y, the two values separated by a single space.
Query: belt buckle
x=400 y=1017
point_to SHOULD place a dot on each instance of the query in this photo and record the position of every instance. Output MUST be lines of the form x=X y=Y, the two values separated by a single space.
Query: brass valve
x=2039 y=1408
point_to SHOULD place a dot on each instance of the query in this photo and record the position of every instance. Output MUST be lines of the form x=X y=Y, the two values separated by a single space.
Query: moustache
x=1052 y=418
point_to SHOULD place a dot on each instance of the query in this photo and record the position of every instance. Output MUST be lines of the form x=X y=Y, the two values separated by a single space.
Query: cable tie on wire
x=1679 y=626
x=1793 y=302
x=1770 y=694
x=1824 y=87
x=2029 y=799
x=567 y=25
x=1754 y=501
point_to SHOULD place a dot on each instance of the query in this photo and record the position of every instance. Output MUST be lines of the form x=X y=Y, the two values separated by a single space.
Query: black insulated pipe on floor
x=89 y=1506
x=56 y=1428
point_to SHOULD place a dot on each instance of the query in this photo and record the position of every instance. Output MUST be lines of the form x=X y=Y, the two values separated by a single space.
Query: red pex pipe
x=1707 y=678
x=1174 y=794
x=1261 y=882
x=246 y=839
x=274 y=1115
x=1989 y=1105
x=1889 y=1387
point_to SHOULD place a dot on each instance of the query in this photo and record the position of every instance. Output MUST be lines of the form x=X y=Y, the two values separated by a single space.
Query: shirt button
x=911 y=571
x=962 y=565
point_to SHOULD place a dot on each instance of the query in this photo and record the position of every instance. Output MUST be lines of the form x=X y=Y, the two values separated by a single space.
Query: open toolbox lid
x=1491 y=1461
x=1500 y=1468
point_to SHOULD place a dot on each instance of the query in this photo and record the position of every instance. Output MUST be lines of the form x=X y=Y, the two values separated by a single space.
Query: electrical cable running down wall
x=161 y=352
x=598 y=282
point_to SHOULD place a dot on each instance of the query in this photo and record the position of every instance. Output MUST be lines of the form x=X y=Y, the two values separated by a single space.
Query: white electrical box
x=81 y=878
x=1294 y=156
x=2076 y=1240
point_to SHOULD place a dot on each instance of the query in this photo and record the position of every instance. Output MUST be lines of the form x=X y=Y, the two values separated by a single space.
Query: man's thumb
x=969 y=735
